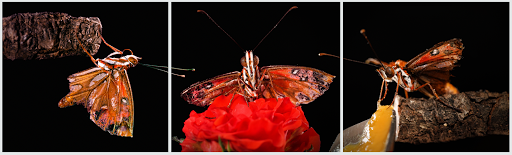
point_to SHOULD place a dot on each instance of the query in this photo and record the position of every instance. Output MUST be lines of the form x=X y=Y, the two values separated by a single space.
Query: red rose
x=262 y=125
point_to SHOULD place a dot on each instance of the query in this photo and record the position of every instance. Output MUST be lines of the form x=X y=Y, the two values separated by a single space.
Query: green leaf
x=222 y=145
x=176 y=139
x=229 y=147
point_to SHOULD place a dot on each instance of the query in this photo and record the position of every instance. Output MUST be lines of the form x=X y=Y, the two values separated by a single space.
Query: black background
x=32 y=121
x=404 y=30
x=297 y=40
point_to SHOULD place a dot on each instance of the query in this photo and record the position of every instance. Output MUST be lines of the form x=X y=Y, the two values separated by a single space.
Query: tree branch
x=46 y=35
x=429 y=121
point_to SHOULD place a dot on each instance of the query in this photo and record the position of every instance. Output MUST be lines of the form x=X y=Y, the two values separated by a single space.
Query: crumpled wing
x=107 y=97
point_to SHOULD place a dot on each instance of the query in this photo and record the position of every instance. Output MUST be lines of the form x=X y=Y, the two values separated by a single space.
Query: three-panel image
x=255 y=77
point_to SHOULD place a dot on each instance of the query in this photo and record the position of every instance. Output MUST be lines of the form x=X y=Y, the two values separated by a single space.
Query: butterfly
x=301 y=84
x=106 y=92
x=430 y=68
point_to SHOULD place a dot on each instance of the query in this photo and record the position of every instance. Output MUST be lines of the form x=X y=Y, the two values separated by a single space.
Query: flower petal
x=261 y=125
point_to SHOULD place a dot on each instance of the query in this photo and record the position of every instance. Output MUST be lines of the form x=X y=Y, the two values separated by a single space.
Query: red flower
x=262 y=125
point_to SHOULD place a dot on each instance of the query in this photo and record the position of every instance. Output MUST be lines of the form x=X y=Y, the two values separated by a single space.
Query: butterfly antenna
x=293 y=7
x=362 y=62
x=192 y=69
x=363 y=31
x=204 y=12
x=154 y=67
x=326 y=54
x=183 y=76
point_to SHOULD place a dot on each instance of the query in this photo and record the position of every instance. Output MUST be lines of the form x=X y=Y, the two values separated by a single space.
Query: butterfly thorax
x=123 y=62
x=250 y=73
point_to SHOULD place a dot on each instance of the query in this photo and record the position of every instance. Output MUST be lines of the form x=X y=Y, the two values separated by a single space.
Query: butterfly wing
x=81 y=84
x=107 y=97
x=203 y=93
x=301 y=84
x=440 y=85
x=442 y=57
x=123 y=113
x=434 y=65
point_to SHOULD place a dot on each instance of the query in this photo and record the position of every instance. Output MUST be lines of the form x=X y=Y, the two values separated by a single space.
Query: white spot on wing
x=116 y=74
x=97 y=78
x=124 y=101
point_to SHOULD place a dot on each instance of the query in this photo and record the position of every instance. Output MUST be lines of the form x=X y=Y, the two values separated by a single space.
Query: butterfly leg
x=236 y=91
x=128 y=50
x=272 y=87
x=229 y=105
x=116 y=51
x=232 y=97
x=385 y=92
x=396 y=90
x=437 y=97
x=271 y=83
x=434 y=91
x=245 y=98
x=92 y=58
x=112 y=47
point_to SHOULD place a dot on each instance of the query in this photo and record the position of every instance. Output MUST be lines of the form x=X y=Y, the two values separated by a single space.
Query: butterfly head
x=386 y=71
x=249 y=59
x=134 y=60
x=250 y=71
x=389 y=72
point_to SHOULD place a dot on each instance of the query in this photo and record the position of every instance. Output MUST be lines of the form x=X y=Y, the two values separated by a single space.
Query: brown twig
x=428 y=121
x=48 y=35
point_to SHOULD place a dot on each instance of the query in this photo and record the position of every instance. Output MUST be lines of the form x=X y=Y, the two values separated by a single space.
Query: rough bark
x=429 y=121
x=48 y=35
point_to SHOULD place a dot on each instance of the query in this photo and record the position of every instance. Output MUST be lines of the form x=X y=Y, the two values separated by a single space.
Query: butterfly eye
x=389 y=72
x=256 y=60
x=242 y=61
x=134 y=60
x=434 y=52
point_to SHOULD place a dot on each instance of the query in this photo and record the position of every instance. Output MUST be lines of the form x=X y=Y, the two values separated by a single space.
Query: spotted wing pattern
x=203 y=93
x=301 y=84
x=442 y=56
x=107 y=95
x=434 y=65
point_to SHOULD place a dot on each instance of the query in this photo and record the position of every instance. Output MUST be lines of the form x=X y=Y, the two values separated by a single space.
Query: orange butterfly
x=301 y=84
x=105 y=91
